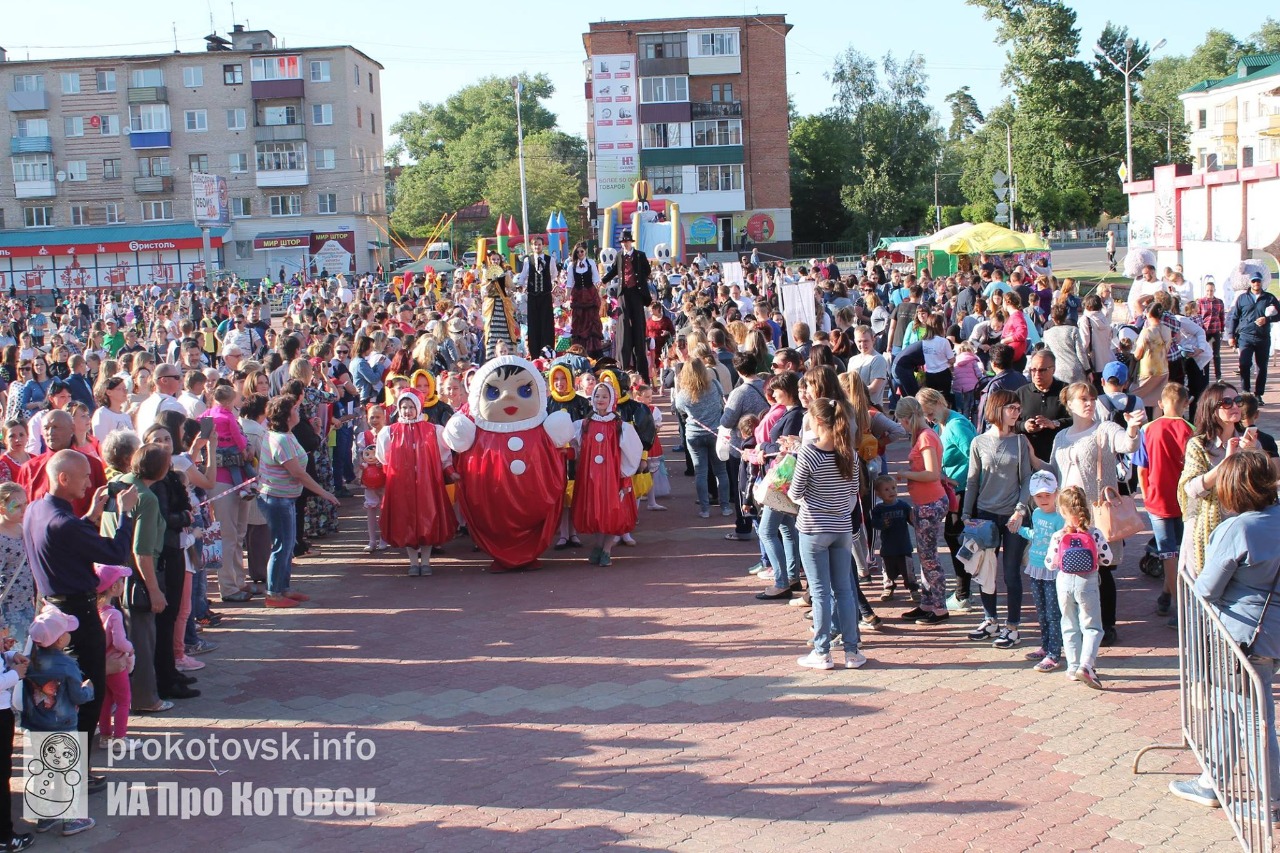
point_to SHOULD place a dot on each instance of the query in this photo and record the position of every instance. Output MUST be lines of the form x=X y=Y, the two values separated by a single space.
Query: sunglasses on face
x=1230 y=402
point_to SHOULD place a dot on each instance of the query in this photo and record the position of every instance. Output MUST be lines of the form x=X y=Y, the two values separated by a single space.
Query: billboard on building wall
x=615 y=118
x=209 y=199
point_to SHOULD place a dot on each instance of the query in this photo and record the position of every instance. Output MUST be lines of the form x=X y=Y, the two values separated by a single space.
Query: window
x=140 y=78
x=371 y=82
x=109 y=125
x=276 y=116
x=717 y=44
x=70 y=82
x=198 y=163
x=145 y=118
x=197 y=120
x=360 y=159
x=372 y=125
x=244 y=250
x=327 y=203
x=237 y=119
x=663 y=90
x=156 y=211
x=721 y=132
x=79 y=214
x=722 y=94
x=324 y=158
x=274 y=68
x=719 y=178
x=363 y=205
x=77 y=170
x=73 y=126
x=232 y=75
x=665 y=180
x=322 y=113
x=106 y=81
x=193 y=77
x=239 y=163
x=359 y=121
x=277 y=156
x=661 y=135
x=1202 y=119
x=111 y=213
x=154 y=167
x=285 y=205
x=320 y=71
x=32 y=127
x=38 y=217
x=28 y=83
x=662 y=45
x=111 y=169
x=241 y=207
x=32 y=167
x=357 y=72
x=1246 y=157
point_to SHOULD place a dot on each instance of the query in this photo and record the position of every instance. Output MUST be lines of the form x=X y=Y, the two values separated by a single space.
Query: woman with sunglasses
x=1217 y=436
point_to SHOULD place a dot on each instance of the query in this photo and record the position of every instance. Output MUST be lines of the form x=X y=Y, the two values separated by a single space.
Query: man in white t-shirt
x=192 y=396
x=1146 y=285
x=168 y=379
x=870 y=365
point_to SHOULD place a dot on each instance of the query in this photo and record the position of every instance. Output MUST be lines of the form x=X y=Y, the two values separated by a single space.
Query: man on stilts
x=631 y=268
x=537 y=276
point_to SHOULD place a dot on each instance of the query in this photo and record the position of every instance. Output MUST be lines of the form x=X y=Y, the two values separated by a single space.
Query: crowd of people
x=162 y=445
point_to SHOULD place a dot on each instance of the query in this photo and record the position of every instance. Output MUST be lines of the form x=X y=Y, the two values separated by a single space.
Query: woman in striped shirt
x=825 y=485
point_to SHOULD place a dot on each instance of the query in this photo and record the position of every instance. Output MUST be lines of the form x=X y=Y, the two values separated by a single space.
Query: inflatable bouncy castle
x=655 y=225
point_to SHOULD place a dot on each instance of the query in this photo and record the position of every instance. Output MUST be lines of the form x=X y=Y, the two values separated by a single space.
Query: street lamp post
x=1127 y=71
x=524 y=187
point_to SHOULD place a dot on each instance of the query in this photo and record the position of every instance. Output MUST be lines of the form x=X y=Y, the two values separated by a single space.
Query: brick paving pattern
x=656 y=705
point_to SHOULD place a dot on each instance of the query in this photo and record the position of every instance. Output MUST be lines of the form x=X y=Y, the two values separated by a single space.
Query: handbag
x=770 y=490
x=1117 y=518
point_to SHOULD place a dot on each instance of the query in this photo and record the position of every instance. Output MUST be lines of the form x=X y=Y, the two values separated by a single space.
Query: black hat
x=626 y=236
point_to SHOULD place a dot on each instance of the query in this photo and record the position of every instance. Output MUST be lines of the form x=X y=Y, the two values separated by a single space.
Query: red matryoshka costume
x=513 y=477
x=608 y=454
x=415 y=509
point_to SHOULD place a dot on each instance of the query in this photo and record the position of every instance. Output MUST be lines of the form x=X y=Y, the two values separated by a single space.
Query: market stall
x=959 y=251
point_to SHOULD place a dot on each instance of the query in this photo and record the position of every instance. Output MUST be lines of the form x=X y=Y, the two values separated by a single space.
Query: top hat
x=626 y=236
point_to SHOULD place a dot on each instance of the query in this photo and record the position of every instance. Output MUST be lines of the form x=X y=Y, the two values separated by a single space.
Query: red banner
x=345 y=239
x=105 y=248
x=297 y=241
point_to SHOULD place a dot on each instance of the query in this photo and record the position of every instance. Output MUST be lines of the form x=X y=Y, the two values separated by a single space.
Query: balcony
x=283 y=178
x=266 y=90
x=154 y=184
x=150 y=139
x=31 y=145
x=705 y=110
x=21 y=102
x=148 y=95
x=672 y=66
x=279 y=132
x=35 y=189
x=1226 y=132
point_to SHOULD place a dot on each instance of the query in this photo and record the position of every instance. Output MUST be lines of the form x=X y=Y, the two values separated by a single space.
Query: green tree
x=1267 y=38
x=965 y=114
x=552 y=185
x=820 y=158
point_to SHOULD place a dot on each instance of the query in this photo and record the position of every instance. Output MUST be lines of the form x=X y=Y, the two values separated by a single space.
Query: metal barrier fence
x=1227 y=721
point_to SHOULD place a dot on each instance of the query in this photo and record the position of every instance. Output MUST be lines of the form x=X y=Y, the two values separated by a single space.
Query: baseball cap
x=1043 y=483
x=1257 y=276
x=1115 y=370
x=108 y=574
x=50 y=624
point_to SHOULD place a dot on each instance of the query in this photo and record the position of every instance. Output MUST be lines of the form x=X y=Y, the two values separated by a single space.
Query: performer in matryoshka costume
x=608 y=454
x=633 y=412
x=512 y=487
x=434 y=409
x=416 y=514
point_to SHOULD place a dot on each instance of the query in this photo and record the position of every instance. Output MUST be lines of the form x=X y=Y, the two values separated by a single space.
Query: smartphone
x=206 y=428
x=1251 y=433
x=115 y=487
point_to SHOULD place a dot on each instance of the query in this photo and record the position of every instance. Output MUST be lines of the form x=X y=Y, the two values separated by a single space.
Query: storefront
x=316 y=252
x=34 y=261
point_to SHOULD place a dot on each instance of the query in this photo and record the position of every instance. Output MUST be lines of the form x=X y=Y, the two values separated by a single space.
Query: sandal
x=561 y=544
x=575 y=542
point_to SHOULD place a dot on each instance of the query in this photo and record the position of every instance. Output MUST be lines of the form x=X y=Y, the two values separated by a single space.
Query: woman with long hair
x=777 y=529
x=700 y=398
x=939 y=356
x=825 y=486
x=584 y=301
x=923 y=479
x=1152 y=353
x=111 y=395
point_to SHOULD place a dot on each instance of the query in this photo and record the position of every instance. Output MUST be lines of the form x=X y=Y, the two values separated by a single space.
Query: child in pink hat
x=114 y=726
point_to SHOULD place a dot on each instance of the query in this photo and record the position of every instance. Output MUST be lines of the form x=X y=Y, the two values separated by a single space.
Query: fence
x=821 y=250
x=1225 y=719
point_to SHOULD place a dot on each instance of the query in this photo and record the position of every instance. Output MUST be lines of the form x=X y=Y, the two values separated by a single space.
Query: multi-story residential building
x=102 y=151
x=698 y=108
x=1234 y=122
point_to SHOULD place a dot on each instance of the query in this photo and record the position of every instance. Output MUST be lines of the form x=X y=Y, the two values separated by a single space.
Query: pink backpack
x=1077 y=553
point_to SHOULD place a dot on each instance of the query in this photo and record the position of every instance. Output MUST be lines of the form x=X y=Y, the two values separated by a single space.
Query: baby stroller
x=1151 y=564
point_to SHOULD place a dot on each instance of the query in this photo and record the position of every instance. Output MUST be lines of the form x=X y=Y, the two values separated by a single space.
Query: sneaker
x=986 y=629
x=1089 y=677
x=201 y=647
x=104 y=742
x=704 y=513
x=726 y=511
x=913 y=614
x=279 y=601
x=188 y=664
x=854 y=660
x=871 y=624
x=813 y=660
x=21 y=841
x=46 y=823
x=798 y=601
x=933 y=618
x=1164 y=601
x=1007 y=638
x=367 y=549
x=887 y=595
x=755 y=569
x=296 y=596
x=1047 y=664
x=915 y=595
x=127 y=743
x=958 y=604
x=1037 y=654
x=77 y=826
x=415 y=571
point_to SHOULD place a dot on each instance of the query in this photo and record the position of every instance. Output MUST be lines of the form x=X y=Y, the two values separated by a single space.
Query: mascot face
x=510 y=393
x=663 y=253
x=370 y=455
x=608 y=255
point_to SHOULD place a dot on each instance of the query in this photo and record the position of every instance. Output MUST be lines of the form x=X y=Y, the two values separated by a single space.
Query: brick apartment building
x=102 y=150
x=698 y=108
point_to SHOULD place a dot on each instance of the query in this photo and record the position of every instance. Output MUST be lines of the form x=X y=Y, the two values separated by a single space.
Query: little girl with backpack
x=1075 y=552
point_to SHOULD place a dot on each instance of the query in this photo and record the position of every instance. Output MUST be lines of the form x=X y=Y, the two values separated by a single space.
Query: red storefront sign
x=296 y=241
x=345 y=239
x=105 y=248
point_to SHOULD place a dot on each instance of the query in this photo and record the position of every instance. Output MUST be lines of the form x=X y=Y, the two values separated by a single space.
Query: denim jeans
x=1045 y=595
x=1011 y=548
x=702 y=447
x=828 y=566
x=280 y=516
x=343 y=470
x=778 y=534
x=1081 y=607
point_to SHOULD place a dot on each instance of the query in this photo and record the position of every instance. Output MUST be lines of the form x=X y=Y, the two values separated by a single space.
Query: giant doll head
x=508 y=393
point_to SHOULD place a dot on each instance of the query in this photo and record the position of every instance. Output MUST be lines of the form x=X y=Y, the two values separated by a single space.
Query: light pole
x=524 y=188
x=1127 y=71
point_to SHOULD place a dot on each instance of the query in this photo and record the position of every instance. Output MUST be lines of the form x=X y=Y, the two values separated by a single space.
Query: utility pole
x=1127 y=71
x=524 y=189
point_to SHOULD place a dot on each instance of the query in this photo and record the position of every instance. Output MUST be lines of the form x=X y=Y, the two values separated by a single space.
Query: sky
x=429 y=51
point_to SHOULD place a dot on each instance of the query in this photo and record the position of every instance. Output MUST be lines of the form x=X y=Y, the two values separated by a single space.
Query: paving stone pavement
x=656 y=705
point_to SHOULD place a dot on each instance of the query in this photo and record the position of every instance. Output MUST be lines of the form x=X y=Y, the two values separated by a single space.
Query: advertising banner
x=616 y=126
x=209 y=199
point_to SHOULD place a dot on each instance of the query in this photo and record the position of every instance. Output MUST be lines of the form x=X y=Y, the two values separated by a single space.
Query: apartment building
x=698 y=108
x=102 y=150
x=1234 y=122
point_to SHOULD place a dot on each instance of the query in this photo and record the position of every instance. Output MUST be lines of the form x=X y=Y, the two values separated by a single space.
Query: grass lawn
x=1093 y=277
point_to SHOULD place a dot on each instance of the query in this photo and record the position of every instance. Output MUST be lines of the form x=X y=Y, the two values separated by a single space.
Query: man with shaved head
x=59 y=433
x=62 y=547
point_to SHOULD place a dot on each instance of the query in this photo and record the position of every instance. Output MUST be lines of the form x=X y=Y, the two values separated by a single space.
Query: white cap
x=1043 y=483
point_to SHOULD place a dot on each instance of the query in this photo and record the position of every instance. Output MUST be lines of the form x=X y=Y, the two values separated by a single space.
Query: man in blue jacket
x=1250 y=328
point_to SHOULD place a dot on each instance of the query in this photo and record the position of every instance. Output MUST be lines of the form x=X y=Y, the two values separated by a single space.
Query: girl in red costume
x=608 y=454
x=415 y=509
x=513 y=476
